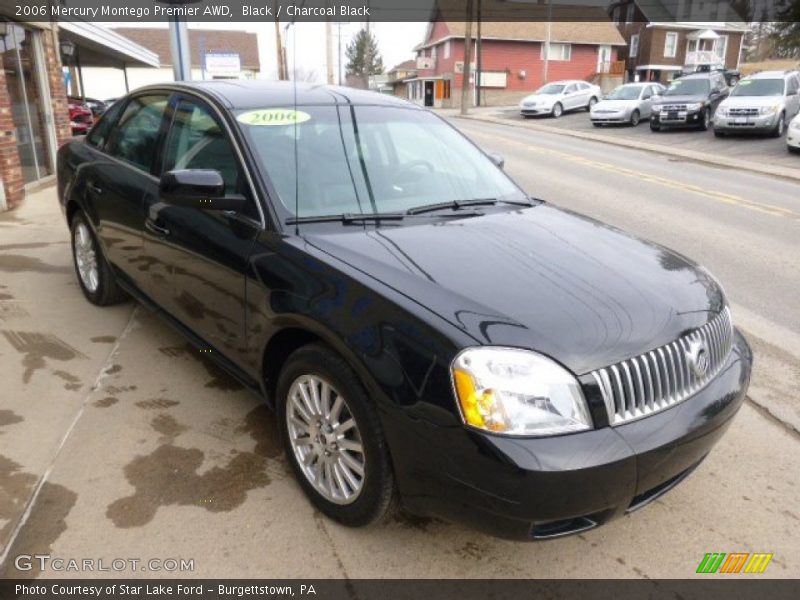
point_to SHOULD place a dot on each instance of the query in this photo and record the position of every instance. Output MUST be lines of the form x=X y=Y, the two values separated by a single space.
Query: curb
x=700 y=157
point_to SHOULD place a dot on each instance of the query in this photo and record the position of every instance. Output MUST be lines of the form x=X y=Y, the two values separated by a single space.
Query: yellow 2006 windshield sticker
x=273 y=116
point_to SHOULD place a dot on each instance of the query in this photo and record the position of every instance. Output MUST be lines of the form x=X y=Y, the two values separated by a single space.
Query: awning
x=101 y=47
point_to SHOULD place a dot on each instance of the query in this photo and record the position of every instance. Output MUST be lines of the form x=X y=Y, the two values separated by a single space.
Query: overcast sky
x=306 y=43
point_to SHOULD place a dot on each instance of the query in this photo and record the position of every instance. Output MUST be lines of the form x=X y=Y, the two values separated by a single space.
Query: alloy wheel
x=86 y=258
x=635 y=117
x=325 y=439
x=557 y=110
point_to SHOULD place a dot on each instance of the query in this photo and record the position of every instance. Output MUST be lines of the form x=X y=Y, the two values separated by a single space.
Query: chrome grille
x=674 y=108
x=656 y=380
x=742 y=112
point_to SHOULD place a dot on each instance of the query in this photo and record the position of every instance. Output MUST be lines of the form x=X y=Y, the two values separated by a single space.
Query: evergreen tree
x=787 y=31
x=363 y=57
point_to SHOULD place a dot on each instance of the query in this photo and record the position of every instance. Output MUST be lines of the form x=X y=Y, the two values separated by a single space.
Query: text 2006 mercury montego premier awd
x=424 y=330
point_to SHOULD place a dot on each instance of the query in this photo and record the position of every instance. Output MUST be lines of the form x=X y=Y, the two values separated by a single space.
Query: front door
x=207 y=250
x=603 y=59
x=428 y=93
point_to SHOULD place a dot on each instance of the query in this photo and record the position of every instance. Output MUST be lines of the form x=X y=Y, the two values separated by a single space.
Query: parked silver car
x=556 y=98
x=764 y=103
x=629 y=103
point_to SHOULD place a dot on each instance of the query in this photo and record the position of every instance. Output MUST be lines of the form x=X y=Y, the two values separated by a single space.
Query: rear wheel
x=635 y=117
x=592 y=102
x=333 y=437
x=558 y=110
x=95 y=276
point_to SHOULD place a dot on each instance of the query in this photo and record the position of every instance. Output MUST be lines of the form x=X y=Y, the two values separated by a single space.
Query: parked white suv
x=763 y=103
x=558 y=97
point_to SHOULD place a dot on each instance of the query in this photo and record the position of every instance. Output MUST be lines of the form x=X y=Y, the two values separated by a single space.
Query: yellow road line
x=770 y=209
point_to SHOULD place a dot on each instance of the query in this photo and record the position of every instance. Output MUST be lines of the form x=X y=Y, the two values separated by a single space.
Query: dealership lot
x=758 y=149
x=119 y=441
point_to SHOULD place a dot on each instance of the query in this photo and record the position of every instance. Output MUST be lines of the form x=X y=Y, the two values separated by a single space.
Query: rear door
x=571 y=96
x=206 y=251
x=121 y=176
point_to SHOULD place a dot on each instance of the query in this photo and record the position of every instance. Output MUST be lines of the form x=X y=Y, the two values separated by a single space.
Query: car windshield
x=688 y=87
x=759 y=87
x=551 y=88
x=362 y=160
x=625 y=92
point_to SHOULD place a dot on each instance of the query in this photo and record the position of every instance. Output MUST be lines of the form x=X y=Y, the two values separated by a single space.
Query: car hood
x=615 y=105
x=542 y=278
x=751 y=101
x=681 y=99
x=541 y=98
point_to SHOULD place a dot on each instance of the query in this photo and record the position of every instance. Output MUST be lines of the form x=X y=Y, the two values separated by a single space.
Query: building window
x=670 y=44
x=447 y=49
x=634 y=45
x=557 y=52
x=721 y=48
x=433 y=53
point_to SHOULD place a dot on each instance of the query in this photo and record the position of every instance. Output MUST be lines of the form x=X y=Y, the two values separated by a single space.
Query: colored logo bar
x=735 y=562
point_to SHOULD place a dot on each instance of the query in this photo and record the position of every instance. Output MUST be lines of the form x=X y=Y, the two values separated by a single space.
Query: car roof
x=244 y=93
x=701 y=75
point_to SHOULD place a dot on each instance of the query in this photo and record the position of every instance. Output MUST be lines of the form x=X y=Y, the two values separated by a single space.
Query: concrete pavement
x=118 y=441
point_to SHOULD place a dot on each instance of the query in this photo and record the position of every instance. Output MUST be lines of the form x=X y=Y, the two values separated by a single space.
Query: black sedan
x=425 y=331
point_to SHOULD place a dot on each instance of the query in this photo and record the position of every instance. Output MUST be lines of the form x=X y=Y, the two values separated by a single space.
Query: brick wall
x=10 y=170
x=58 y=94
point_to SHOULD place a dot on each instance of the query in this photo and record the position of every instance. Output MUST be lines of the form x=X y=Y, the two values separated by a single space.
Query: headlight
x=656 y=109
x=768 y=110
x=722 y=111
x=695 y=106
x=517 y=392
x=795 y=124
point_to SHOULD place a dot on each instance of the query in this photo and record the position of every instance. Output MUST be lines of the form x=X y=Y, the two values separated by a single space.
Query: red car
x=80 y=117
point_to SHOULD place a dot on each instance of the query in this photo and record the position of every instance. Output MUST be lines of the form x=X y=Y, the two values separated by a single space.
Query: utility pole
x=465 y=83
x=547 y=41
x=328 y=48
x=279 y=51
x=478 y=59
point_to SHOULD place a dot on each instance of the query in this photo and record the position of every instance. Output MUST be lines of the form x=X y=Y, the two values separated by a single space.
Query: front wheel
x=654 y=126
x=779 y=126
x=635 y=117
x=558 y=110
x=94 y=273
x=333 y=437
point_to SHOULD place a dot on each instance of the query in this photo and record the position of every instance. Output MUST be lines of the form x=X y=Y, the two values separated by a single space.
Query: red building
x=512 y=59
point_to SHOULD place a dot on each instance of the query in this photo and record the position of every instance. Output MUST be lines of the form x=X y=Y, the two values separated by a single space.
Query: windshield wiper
x=459 y=204
x=347 y=218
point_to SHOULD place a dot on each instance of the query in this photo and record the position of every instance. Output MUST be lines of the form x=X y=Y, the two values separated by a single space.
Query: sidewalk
x=765 y=155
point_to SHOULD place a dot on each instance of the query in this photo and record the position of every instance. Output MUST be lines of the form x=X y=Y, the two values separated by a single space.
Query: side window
x=135 y=137
x=794 y=85
x=99 y=134
x=196 y=141
x=570 y=89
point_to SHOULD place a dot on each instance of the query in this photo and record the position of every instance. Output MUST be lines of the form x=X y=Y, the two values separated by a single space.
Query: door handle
x=150 y=225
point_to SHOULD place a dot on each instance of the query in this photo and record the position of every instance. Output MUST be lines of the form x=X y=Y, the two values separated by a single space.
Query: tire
x=635 y=117
x=372 y=496
x=780 y=126
x=592 y=102
x=719 y=134
x=597 y=124
x=654 y=126
x=706 y=120
x=94 y=274
x=557 y=111
x=792 y=149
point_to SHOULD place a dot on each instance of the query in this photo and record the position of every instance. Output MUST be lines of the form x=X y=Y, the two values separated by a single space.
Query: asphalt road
x=118 y=441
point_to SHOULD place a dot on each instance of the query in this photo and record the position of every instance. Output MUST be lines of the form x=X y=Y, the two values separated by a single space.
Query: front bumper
x=793 y=137
x=529 y=111
x=537 y=488
x=757 y=123
x=618 y=117
x=679 y=119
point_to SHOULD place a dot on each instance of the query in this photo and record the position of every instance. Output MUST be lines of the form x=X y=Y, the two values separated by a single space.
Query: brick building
x=512 y=57
x=658 y=47
x=34 y=115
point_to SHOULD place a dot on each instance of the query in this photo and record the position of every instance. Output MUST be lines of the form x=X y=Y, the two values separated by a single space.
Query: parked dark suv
x=689 y=102
x=424 y=329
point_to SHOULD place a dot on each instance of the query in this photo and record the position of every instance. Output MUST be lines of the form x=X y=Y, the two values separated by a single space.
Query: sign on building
x=227 y=64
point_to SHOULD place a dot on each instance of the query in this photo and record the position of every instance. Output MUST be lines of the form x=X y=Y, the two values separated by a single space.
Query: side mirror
x=198 y=188
x=497 y=159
